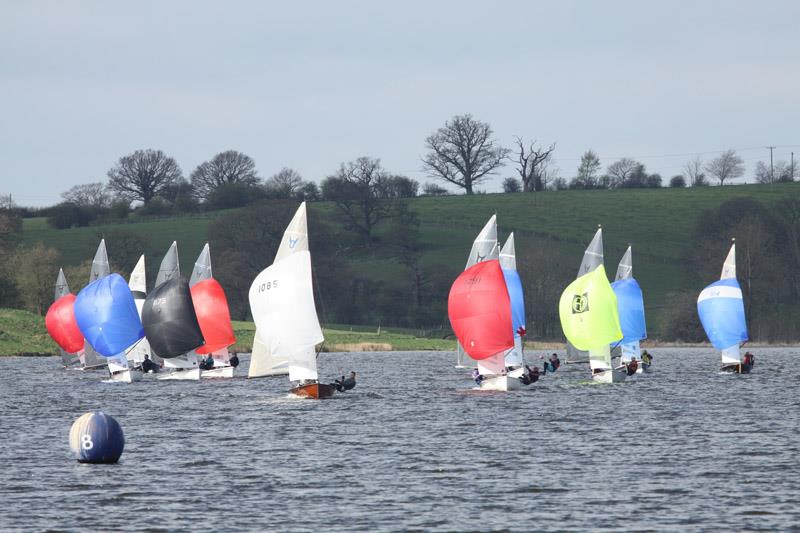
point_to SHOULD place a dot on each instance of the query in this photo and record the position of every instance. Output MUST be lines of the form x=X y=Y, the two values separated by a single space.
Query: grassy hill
x=657 y=222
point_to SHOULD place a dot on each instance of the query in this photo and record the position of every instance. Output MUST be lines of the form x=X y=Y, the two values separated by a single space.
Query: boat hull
x=217 y=372
x=736 y=369
x=126 y=376
x=314 y=391
x=182 y=375
x=501 y=383
x=617 y=375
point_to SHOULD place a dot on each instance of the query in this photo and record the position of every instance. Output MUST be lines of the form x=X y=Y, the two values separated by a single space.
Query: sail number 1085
x=267 y=285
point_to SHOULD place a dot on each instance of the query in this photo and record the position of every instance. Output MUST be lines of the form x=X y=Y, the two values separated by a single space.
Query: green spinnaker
x=588 y=311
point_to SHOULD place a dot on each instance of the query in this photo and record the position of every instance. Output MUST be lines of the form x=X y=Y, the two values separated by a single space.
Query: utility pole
x=792 y=166
x=771 y=167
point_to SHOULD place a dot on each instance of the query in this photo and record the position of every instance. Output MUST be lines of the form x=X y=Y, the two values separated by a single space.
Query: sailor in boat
x=531 y=375
x=207 y=363
x=748 y=361
x=632 y=366
x=552 y=364
x=647 y=359
x=476 y=375
x=148 y=365
x=234 y=361
x=346 y=383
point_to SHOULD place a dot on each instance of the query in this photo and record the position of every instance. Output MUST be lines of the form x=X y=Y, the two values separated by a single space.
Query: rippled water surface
x=412 y=447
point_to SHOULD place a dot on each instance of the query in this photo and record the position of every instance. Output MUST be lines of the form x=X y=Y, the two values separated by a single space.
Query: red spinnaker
x=213 y=315
x=62 y=326
x=480 y=310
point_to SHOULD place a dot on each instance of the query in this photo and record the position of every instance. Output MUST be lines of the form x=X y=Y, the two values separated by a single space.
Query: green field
x=657 y=222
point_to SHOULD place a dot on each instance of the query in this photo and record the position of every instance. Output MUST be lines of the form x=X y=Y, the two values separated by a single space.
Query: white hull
x=126 y=376
x=616 y=375
x=183 y=375
x=217 y=372
x=501 y=383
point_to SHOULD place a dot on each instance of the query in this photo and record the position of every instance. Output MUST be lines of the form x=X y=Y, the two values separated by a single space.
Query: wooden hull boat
x=316 y=391
x=737 y=368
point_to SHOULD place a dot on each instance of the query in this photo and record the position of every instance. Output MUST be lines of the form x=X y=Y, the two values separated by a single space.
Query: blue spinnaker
x=721 y=311
x=107 y=315
x=514 y=286
x=630 y=305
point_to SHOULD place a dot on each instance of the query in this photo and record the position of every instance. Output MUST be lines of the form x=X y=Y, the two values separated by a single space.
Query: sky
x=312 y=84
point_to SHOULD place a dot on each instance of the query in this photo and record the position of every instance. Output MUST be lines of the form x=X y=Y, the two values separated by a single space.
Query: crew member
x=234 y=360
x=148 y=365
x=632 y=366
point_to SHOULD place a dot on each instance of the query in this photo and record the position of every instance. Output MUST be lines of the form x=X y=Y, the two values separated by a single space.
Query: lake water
x=411 y=448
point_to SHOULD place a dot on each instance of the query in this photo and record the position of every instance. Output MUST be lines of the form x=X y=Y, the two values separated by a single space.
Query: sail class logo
x=580 y=303
x=293 y=242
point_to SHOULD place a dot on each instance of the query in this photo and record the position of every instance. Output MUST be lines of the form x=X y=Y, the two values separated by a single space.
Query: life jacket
x=632 y=367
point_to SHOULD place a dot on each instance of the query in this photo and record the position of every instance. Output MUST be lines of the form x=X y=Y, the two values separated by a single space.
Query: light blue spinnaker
x=721 y=311
x=508 y=262
x=630 y=304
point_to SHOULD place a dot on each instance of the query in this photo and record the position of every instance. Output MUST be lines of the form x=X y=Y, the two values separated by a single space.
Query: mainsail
x=588 y=309
x=282 y=304
x=508 y=262
x=263 y=361
x=170 y=266
x=631 y=308
x=484 y=248
x=137 y=283
x=721 y=310
x=100 y=268
x=592 y=258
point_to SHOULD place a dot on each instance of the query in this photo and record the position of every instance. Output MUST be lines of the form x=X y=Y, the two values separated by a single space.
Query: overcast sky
x=309 y=85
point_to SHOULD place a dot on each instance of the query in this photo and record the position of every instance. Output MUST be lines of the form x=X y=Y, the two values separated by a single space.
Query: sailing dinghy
x=721 y=310
x=282 y=305
x=589 y=315
x=630 y=305
x=484 y=248
x=61 y=325
x=107 y=317
x=514 y=358
x=170 y=321
x=213 y=315
x=479 y=309
x=137 y=283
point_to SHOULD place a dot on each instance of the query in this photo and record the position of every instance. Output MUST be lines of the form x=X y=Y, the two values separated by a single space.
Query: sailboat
x=61 y=325
x=721 y=310
x=282 y=305
x=514 y=357
x=589 y=315
x=170 y=321
x=479 y=309
x=107 y=317
x=91 y=360
x=213 y=315
x=630 y=305
x=484 y=248
x=137 y=283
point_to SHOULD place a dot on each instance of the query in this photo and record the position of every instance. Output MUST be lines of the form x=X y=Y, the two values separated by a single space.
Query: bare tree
x=88 y=195
x=727 y=166
x=781 y=172
x=226 y=167
x=620 y=172
x=693 y=172
x=286 y=183
x=532 y=164
x=143 y=174
x=463 y=152
x=355 y=189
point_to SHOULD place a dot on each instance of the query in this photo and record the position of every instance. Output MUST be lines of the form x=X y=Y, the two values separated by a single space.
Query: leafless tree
x=693 y=172
x=532 y=164
x=781 y=172
x=356 y=191
x=143 y=174
x=226 y=167
x=726 y=167
x=88 y=195
x=463 y=152
x=620 y=172
x=287 y=183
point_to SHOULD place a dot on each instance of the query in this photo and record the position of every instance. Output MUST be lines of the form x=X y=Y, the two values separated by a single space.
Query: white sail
x=170 y=266
x=731 y=355
x=629 y=351
x=282 y=305
x=600 y=358
x=729 y=267
x=625 y=268
x=514 y=356
x=494 y=365
x=263 y=363
x=202 y=267
x=484 y=248
x=137 y=283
